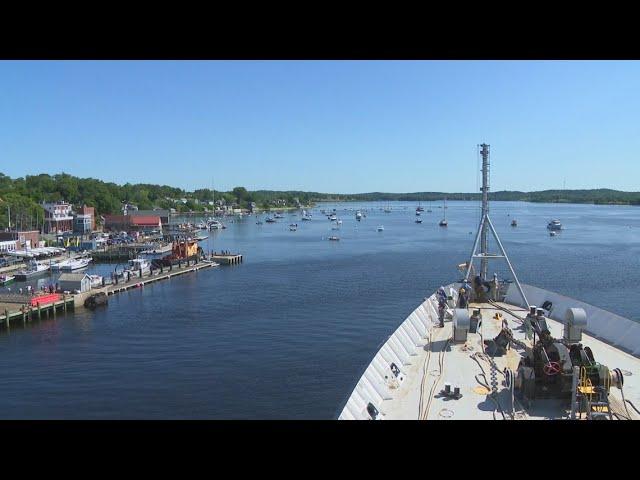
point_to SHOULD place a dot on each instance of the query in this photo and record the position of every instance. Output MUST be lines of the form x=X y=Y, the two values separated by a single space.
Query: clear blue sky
x=330 y=126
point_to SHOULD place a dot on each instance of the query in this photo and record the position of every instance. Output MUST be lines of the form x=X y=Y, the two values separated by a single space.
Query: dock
x=25 y=309
x=228 y=259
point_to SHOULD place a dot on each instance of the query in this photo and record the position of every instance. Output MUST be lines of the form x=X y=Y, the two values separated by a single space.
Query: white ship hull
x=615 y=341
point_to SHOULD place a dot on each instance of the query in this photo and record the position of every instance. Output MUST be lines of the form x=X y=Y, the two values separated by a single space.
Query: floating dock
x=230 y=259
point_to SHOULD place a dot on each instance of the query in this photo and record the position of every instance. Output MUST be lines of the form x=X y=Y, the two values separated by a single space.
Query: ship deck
x=439 y=361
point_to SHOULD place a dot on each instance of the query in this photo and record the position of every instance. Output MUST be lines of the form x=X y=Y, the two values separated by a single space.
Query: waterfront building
x=71 y=282
x=23 y=238
x=57 y=217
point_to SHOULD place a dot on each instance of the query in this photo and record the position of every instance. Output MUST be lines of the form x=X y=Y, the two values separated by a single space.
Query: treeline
x=595 y=196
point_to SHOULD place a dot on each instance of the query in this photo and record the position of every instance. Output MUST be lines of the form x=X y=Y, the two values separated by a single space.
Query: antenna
x=484 y=227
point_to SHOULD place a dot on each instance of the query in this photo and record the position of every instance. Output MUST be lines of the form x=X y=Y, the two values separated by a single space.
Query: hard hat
x=462 y=290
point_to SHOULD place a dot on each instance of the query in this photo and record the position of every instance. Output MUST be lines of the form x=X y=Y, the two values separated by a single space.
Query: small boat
x=199 y=238
x=418 y=213
x=259 y=222
x=333 y=218
x=136 y=265
x=554 y=225
x=418 y=220
x=270 y=220
x=73 y=264
x=419 y=208
x=215 y=225
x=334 y=238
x=278 y=215
x=358 y=215
x=34 y=269
x=443 y=222
x=293 y=229
x=306 y=219
x=552 y=233
x=514 y=223
x=6 y=279
x=339 y=222
x=380 y=228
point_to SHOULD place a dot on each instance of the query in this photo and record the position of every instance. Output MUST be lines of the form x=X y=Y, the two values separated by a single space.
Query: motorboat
x=380 y=228
x=34 y=268
x=333 y=218
x=278 y=215
x=71 y=264
x=514 y=223
x=6 y=279
x=138 y=265
x=418 y=220
x=270 y=220
x=552 y=233
x=215 y=225
x=96 y=281
x=334 y=238
x=358 y=215
x=443 y=223
x=554 y=225
x=418 y=213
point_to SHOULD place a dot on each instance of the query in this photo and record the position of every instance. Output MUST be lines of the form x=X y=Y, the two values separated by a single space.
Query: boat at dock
x=181 y=251
x=96 y=281
x=34 y=269
x=6 y=280
x=483 y=348
x=138 y=267
x=71 y=264
x=154 y=250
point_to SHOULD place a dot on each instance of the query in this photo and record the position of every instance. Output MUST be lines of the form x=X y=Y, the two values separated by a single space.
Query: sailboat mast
x=485 y=207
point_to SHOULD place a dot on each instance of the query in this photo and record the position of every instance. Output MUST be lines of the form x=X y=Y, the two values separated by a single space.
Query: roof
x=72 y=277
x=145 y=220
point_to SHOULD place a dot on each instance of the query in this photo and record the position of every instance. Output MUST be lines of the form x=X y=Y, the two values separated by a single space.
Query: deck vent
x=575 y=320
x=461 y=324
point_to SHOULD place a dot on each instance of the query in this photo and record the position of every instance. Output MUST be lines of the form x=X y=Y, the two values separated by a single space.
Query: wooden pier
x=24 y=313
x=230 y=259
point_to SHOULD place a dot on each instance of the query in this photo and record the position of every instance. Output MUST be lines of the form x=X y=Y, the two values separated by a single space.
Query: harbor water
x=287 y=334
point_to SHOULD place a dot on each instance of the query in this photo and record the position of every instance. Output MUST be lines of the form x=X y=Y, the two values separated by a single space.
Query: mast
x=483 y=228
x=485 y=208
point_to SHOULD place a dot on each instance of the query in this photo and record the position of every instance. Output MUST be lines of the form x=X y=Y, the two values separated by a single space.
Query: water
x=288 y=333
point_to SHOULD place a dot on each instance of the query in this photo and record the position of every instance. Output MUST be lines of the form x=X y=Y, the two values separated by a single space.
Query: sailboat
x=419 y=208
x=429 y=211
x=387 y=209
x=443 y=222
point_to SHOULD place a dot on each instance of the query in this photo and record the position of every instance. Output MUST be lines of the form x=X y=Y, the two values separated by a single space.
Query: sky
x=325 y=126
